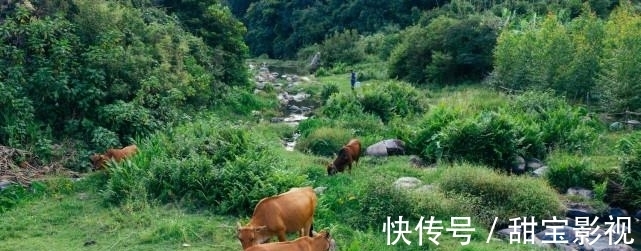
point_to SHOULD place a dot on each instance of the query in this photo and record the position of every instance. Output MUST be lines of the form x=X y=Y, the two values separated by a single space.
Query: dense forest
x=468 y=85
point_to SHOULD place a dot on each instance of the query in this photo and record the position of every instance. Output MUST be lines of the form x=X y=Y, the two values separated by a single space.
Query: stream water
x=295 y=105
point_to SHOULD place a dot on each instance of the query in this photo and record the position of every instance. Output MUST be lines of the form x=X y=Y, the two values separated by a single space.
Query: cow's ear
x=261 y=228
x=238 y=226
x=327 y=235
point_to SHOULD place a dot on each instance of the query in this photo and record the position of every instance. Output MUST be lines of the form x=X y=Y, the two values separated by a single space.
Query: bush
x=342 y=104
x=502 y=196
x=561 y=125
x=377 y=103
x=446 y=51
x=324 y=141
x=204 y=164
x=243 y=102
x=565 y=171
x=426 y=141
x=487 y=139
x=342 y=48
x=378 y=201
x=630 y=147
x=385 y=100
x=310 y=125
x=361 y=125
x=327 y=91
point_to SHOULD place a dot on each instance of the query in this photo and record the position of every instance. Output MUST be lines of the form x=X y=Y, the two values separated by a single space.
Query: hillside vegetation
x=471 y=87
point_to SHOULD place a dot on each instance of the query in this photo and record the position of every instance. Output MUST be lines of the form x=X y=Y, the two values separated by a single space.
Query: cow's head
x=250 y=236
x=323 y=241
x=331 y=169
x=97 y=161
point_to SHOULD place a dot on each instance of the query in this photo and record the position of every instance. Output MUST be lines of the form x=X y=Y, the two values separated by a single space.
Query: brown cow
x=99 y=160
x=349 y=153
x=320 y=242
x=289 y=212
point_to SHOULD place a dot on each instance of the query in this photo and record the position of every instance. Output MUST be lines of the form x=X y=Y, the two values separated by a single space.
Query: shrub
x=502 y=196
x=426 y=141
x=553 y=55
x=342 y=48
x=377 y=103
x=103 y=139
x=561 y=125
x=327 y=91
x=487 y=139
x=203 y=164
x=324 y=141
x=376 y=202
x=243 y=102
x=310 y=125
x=361 y=125
x=343 y=103
x=567 y=171
x=631 y=168
x=447 y=50
x=618 y=78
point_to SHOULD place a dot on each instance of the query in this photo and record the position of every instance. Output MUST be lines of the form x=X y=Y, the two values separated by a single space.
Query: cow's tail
x=311 y=230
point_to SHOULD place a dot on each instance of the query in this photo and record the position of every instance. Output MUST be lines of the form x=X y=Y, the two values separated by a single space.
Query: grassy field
x=72 y=216
x=66 y=215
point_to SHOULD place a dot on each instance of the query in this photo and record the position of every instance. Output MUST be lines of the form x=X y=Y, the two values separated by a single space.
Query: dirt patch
x=22 y=167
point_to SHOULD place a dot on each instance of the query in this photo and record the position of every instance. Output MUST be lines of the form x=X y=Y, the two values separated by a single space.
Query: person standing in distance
x=353 y=79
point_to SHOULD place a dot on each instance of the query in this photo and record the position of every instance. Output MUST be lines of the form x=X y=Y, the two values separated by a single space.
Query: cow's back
x=120 y=154
x=292 y=209
x=353 y=148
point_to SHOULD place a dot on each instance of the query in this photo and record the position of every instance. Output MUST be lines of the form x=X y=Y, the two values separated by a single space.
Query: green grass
x=66 y=221
x=353 y=207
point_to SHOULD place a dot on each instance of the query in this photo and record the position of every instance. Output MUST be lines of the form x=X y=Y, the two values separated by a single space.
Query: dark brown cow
x=292 y=211
x=320 y=242
x=100 y=160
x=349 y=153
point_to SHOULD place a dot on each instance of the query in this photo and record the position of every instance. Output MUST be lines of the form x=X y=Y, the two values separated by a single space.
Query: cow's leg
x=307 y=228
x=281 y=236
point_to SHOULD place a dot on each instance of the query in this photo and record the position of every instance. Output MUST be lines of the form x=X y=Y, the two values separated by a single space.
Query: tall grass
x=502 y=196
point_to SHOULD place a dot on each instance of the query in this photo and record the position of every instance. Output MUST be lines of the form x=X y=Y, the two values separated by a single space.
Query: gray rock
x=320 y=190
x=540 y=172
x=4 y=184
x=506 y=232
x=407 y=183
x=518 y=165
x=616 y=126
x=618 y=212
x=580 y=210
x=416 y=161
x=534 y=163
x=277 y=120
x=619 y=247
x=386 y=147
x=579 y=191
x=562 y=233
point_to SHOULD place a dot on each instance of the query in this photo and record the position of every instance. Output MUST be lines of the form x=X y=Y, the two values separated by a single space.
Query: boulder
x=416 y=161
x=579 y=191
x=386 y=147
x=518 y=165
x=407 y=183
x=320 y=190
x=539 y=172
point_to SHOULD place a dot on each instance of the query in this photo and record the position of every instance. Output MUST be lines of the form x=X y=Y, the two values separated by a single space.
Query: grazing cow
x=100 y=160
x=320 y=242
x=289 y=212
x=348 y=154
